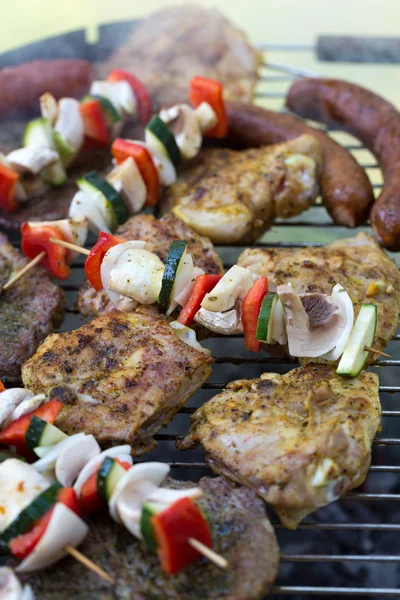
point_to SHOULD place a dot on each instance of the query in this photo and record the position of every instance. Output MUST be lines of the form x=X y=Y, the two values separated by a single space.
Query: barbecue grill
x=364 y=520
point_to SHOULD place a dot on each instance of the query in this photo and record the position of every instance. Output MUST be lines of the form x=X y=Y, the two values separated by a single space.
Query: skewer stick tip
x=25 y=270
x=88 y=563
x=212 y=556
x=378 y=352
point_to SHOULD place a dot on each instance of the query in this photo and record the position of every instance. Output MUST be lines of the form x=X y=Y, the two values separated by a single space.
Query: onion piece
x=137 y=274
x=49 y=458
x=188 y=335
x=91 y=466
x=184 y=295
x=69 y=124
x=10 y=587
x=343 y=300
x=109 y=261
x=83 y=205
x=31 y=160
x=64 y=529
x=164 y=166
x=138 y=482
x=73 y=458
x=184 y=276
x=27 y=406
x=10 y=399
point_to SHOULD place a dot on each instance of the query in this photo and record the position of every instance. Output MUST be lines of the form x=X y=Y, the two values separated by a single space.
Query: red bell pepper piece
x=22 y=545
x=250 y=311
x=210 y=91
x=95 y=258
x=145 y=105
x=94 y=124
x=172 y=528
x=8 y=181
x=89 y=500
x=123 y=149
x=2 y=388
x=36 y=238
x=202 y=286
x=14 y=433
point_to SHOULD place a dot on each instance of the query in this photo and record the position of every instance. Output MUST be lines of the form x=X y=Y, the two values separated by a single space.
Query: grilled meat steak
x=241 y=532
x=234 y=196
x=29 y=311
x=158 y=234
x=122 y=376
x=357 y=263
x=179 y=42
x=301 y=440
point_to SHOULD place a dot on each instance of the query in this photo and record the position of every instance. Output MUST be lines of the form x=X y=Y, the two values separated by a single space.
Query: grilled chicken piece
x=301 y=440
x=159 y=235
x=30 y=310
x=179 y=42
x=234 y=196
x=241 y=532
x=122 y=376
x=358 y=264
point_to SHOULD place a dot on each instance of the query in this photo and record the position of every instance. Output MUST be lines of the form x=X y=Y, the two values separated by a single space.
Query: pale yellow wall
x=296 y=21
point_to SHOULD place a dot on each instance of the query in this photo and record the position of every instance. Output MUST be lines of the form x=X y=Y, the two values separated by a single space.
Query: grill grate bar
x=170 y=437
x=333 y=591
x=338 y=558
x=204 y=465
x=343 y=526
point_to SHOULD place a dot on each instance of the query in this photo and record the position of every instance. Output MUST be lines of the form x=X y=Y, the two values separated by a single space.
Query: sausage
x=22 y=86
x=373 y=120
x=345 y=187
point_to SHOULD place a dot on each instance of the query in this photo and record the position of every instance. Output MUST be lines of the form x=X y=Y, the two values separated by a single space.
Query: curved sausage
x=371 y=119
x=22 y=86
x=345 y=188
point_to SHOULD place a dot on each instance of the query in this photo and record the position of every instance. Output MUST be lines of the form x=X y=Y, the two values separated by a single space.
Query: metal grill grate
x=312 y=228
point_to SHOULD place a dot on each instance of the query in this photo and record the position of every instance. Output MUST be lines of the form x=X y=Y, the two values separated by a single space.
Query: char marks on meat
x=301 y=440
x=159 y=235
x=121 y=376
x=241 y=532
x=30 y=310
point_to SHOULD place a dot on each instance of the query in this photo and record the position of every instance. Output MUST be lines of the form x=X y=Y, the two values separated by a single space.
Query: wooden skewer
x=25 y=270
x=88 y=563
x=70 y=246
x=369 y=349
x=215 y=558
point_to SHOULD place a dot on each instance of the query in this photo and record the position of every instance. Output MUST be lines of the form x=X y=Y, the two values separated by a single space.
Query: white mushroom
x=137 y=273
x=314 y=323
x=206 y=116
x=182 y=121
x=226 y=323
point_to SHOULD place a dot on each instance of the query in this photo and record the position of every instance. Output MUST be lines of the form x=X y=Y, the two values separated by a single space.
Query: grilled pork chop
x=179 y=42
x=158 y=234
x=122 y=376
x=241 y=532
x=301 y=440
x=29 y=311
x=357 y=263
x=234 y=196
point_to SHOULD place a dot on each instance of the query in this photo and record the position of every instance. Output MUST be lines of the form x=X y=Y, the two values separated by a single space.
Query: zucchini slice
x=175 y=255
x=160 y=137
x=92 y=184
x=27 y=517
x=149 y=510
x=108 y=475
x=41 y=433
x=355 y=356
x=265 y=318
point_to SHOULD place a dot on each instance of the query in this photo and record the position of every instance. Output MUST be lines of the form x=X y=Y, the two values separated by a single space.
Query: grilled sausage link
x=22 y=86
x=375 y=122
x=345 y=188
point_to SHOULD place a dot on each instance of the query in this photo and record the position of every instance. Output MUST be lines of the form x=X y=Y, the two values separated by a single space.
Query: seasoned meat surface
x=301 y=440
x=357 y=263
x=234 y=196
x=121 y=376
x=241 y=532
x=31 y=309
x=179 y=42
x=158 y=234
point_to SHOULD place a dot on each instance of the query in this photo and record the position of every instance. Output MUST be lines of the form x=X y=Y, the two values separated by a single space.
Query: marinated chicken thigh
x=121 y=376
x=301 y=440
x=359 y=264
x=233 y=196
x=158 y=235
